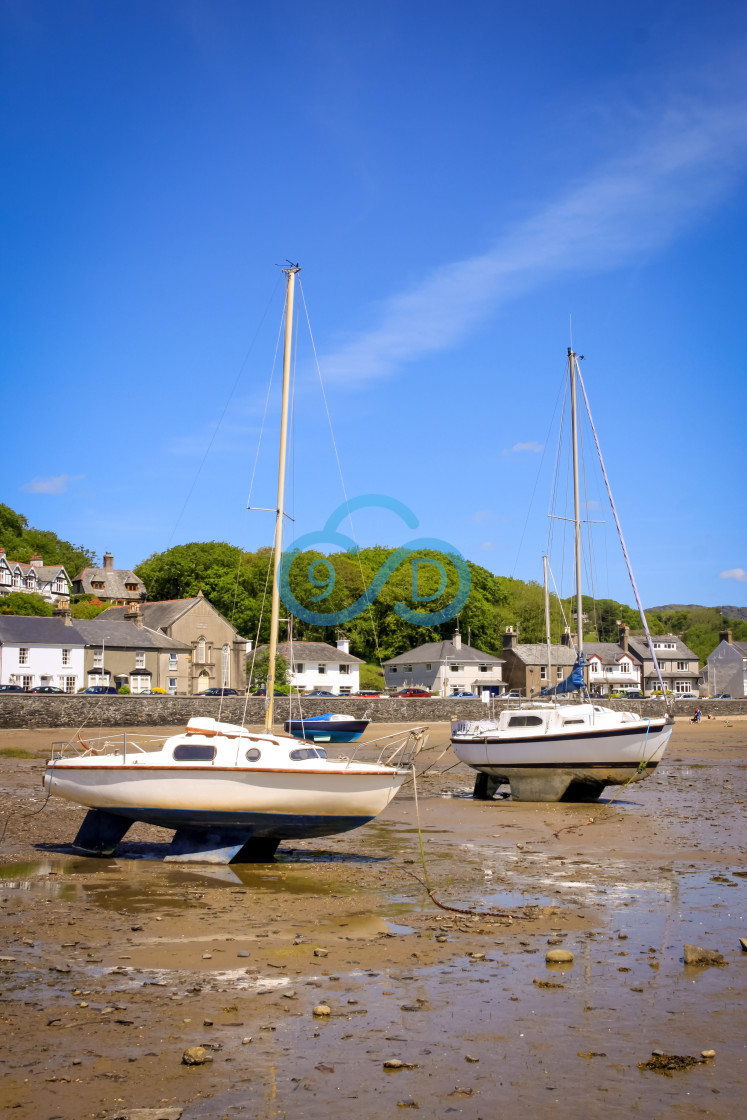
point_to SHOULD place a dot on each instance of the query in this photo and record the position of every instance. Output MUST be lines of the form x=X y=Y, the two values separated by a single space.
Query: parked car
x=219 y=692
x=100 y=690
x=263 y=692
x=686 y=696
x=370 y=694
x=635 y=695
x=462 y=695
x=11 y=688
x=319 y=692
x=721 y=696
x=514 y=694
x=413 y=692
x=47 y=688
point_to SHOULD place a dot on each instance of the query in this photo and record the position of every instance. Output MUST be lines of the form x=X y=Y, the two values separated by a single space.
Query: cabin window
x=252 y=755
x=525 y=721
x=301 y=753
x=568 y=722
x=194 y=752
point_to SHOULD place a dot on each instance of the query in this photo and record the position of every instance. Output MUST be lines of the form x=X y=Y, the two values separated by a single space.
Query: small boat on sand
x=332 y=727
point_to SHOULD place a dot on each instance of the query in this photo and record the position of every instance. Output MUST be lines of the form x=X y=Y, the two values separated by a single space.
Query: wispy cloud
x=481 y=515
x=532 y=445
x=734 y=573
x=56 y=485
x=687 y=162
x=486 y=546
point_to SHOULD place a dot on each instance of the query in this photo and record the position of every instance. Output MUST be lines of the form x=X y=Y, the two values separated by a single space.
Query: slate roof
x=639 y=646
x=609 y=653
x=314 y=651
x=535 y=653
x=44 y=572
x=443 y=651
x=20 y=629
x=113 y=579
x=158 y=615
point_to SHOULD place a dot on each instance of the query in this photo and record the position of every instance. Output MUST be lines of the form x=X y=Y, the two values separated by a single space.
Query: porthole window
x=194 y=752
x=252 y=755
x=301 y=753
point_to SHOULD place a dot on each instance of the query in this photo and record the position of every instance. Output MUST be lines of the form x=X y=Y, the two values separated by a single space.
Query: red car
x=413 y=692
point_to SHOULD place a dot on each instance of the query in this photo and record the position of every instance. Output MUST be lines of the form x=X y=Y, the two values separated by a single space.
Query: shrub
x=124 y=690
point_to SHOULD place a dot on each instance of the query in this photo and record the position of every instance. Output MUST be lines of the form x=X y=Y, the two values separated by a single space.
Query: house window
x=23 y=655
x=30 y=581
x=559 y=672
x=97 y=678
x=16 y=579
x=27 y=682
x=484 y=668
x=543 y=673
x=682 y=666
x=66 y=656
x=225 y=667
x=682 y=686
x=201 y=651
x=97 y=584
x=428 y=665
x=69 y=685
x=624 y=666
x=139 y=660
x=408 y=668
x=172 y=684
x=139 y=683
x=454 y=668
x=345 y=669
x=59 y=585
x=345 y=691
x=393 y=669
x=321 y=669
x=298 y=668
x=172 y=662
x=664 y=645
x=4 y=575
x=131 y=586
x=98 y=659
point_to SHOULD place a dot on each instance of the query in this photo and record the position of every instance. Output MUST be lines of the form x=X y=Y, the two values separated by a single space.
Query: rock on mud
x=195 y=1056
x=559 y=956
x=322 y=1010
x=695 y=954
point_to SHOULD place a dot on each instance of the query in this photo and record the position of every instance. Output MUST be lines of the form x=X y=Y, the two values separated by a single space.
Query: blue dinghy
x=329 y=728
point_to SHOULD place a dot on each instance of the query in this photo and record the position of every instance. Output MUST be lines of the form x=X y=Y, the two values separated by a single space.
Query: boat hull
x=563 y=767
x=268 y=804
x=326 y=731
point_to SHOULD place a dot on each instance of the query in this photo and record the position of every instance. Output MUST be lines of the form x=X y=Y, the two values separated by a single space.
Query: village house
x=725 y=671
x=678 y=665
x=73 y=654
x=217 y=655
x=51 y=581
x=446 y=668
x=110 y=584
x=610 y=666
x=316 y=665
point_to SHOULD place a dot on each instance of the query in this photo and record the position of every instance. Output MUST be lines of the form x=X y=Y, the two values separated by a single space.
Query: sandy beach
x=112 y=968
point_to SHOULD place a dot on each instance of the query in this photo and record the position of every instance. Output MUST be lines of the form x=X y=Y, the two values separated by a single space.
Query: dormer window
x=16 y=579
x=30 y=582
x=131 y=586
x=97 y=584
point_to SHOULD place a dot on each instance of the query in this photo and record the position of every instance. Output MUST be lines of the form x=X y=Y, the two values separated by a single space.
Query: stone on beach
x=695 y=954
x=559 y=956
x=321 y=1010
x=195 y=1056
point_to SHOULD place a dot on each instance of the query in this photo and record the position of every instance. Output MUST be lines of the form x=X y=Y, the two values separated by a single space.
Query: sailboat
x=551 y=751
x=231 y=795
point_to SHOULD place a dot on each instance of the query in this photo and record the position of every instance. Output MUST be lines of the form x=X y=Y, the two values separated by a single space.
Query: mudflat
x=111 y=969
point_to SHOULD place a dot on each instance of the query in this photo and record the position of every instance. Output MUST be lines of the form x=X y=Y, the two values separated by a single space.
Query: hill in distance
x=727 y=612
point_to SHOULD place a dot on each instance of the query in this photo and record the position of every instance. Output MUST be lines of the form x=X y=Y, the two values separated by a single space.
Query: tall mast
x=547 y=622
x=576 y=503
x=290 y=274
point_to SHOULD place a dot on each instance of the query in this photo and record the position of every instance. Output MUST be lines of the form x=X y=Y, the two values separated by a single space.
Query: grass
x=16 y=752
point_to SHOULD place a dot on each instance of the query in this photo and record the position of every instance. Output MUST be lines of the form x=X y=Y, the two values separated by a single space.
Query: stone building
x=217 y=655
x=110 y=584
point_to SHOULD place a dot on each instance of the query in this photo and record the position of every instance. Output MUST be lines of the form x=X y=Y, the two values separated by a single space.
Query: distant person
x=696 y=716
x=710 y=715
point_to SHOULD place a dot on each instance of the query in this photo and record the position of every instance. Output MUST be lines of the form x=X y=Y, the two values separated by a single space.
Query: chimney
x=62 y=610
x=510 y=639
x=132 y=614
x=36 y=561
x=343 y=644
x=457 y=641
x=565 y=637
x=725 y=636
x=108 y=562
x=623 y=634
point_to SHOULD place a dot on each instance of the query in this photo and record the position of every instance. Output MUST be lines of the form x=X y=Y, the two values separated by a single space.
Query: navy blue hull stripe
x=276 y=826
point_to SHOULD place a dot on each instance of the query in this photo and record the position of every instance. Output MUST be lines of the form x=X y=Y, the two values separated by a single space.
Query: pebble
x=207 y=1022
x=559 y=956
x=195 y=1056
x=394 y=1063
x=743 y=943
x=476 y=956
x=695 y=954
x=246 y=1041
x=322 y=1009
x=243 y=953
x=207 y=956
x=708 y=1053
x=321 y=952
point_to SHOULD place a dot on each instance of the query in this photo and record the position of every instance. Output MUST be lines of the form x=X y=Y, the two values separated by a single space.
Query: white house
x=48 y=580
x=41 y=651
x=316 y=665
x=446 y=668
x=611 y=668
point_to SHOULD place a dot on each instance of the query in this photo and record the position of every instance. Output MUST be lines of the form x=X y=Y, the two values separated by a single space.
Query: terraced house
x=51 y=581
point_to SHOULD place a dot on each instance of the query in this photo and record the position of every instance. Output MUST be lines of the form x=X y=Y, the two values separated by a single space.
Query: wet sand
x=110 y=969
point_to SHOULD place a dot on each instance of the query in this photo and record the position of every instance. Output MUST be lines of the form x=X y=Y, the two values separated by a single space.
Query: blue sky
x=457 y=181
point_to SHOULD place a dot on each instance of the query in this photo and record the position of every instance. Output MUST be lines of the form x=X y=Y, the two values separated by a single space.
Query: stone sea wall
x=27 y=711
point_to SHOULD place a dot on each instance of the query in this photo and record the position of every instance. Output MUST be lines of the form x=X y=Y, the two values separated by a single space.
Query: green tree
x=21 y=542
x=259 y=668
x=22 y=602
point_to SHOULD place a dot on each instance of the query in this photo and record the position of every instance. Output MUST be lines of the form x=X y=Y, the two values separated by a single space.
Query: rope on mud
x=470 y=911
